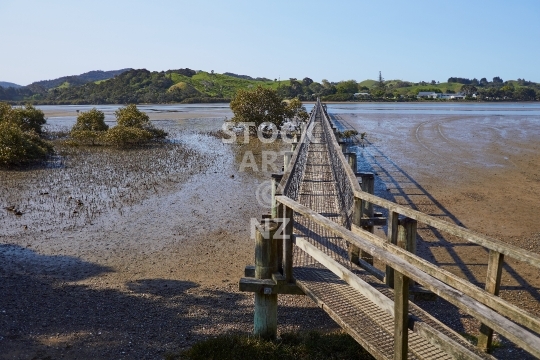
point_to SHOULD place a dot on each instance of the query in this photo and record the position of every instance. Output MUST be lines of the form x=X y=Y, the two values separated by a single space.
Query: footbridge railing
x=275 y=264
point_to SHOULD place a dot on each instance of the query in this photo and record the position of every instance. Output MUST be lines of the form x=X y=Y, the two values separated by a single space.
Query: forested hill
x=75 y=80
x=143 y=86
x=190 y=86
x=6 y=84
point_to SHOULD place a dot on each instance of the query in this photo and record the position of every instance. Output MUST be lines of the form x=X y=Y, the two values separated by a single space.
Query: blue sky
x=336 y=40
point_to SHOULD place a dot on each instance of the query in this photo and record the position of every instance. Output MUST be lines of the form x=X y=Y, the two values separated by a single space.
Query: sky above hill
x=337 y=40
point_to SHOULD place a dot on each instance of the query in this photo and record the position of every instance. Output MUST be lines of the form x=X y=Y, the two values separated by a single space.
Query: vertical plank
x=279 y=244
x=288 y=244
x=406 y=238
x=493 y=283
x=368 y=185
x=401 y=316
x=276 y=179
x=353 y=250
x=391 y=237
x=287 y=155
x=265 y=315
x=352 y=160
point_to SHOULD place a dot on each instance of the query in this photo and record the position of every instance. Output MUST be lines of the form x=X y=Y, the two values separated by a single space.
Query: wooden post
x=288 y=243
x=406 y=237
x=276 y=179
x=401 y=316
x=367 y=185
x=353 y=250
x=493 y=283
x=294 y=144
x=265 y=319
x=391 y=237
x=286 y=159
x=351 y=159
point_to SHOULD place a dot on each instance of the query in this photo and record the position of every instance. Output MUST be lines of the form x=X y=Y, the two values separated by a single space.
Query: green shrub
x=93 y=120
x=90 y=127
x=124 y=136
x=87 y=137
x=130 y=116
x=28 y=118
x=18 y=146
x=348 y=134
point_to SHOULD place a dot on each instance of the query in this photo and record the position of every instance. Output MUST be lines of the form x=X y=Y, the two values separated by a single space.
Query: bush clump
x=20 y=141
x=134 y=128
x=90 y=127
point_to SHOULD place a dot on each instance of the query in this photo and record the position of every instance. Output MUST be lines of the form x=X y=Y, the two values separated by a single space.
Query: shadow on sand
x=45 y=315
x=395 y=184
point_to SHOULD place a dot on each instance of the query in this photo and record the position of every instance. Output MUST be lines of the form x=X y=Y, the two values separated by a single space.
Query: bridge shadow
x=395 y=184
x=52 y=307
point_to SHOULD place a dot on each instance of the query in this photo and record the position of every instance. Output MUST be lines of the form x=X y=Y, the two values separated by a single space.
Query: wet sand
x=160 y=272
x=155 y=271
x=482 y=173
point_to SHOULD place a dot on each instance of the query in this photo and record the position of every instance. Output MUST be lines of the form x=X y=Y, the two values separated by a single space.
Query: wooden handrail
x=496 y=303
x=493 y=319
x=350 y=173
x=466 y=234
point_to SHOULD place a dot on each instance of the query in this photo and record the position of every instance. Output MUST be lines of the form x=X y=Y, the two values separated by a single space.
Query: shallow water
x=483 y=109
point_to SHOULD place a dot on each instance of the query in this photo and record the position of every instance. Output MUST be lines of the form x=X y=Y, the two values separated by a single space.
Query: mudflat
x=132 y=254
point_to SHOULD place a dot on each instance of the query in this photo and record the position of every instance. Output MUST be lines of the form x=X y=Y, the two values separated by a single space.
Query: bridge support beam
x=276 y=179
x=493 y=282
x=287 y=155
x=367 y=184
x=265 y=318
x=401 y=316
x=352 y=160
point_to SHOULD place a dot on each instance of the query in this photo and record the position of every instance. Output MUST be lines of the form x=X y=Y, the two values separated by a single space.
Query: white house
x=458 y=96
x=427 y=94
x=434 y=95
x=361 y=94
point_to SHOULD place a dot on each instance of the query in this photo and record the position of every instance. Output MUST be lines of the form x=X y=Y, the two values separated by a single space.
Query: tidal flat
x=135 y=253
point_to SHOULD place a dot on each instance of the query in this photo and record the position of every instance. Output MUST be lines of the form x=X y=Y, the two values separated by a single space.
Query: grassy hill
x=189 y=86
x=220 y=85
x=143 y=86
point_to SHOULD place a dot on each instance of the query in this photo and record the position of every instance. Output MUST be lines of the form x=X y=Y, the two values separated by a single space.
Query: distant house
x=427 y=94
x=434 y=95
x=362 y=94
x=458 y=96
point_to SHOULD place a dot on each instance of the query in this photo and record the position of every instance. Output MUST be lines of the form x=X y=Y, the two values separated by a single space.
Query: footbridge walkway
x=319 y=241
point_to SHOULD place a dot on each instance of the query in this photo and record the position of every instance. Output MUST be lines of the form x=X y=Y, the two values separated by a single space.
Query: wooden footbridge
x=319 y=241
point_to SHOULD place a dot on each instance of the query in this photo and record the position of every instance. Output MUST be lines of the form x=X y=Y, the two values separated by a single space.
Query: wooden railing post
x=391 y=237
x=351 y=159
x=288 y=227
x=406 y=238
x=353 y=250
x=342 y=145
x=265 y=319
x=401 y=316
x=367 y=185
x=493 y=283
x=287 y=155
x=276 y=179
x=294 y=144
